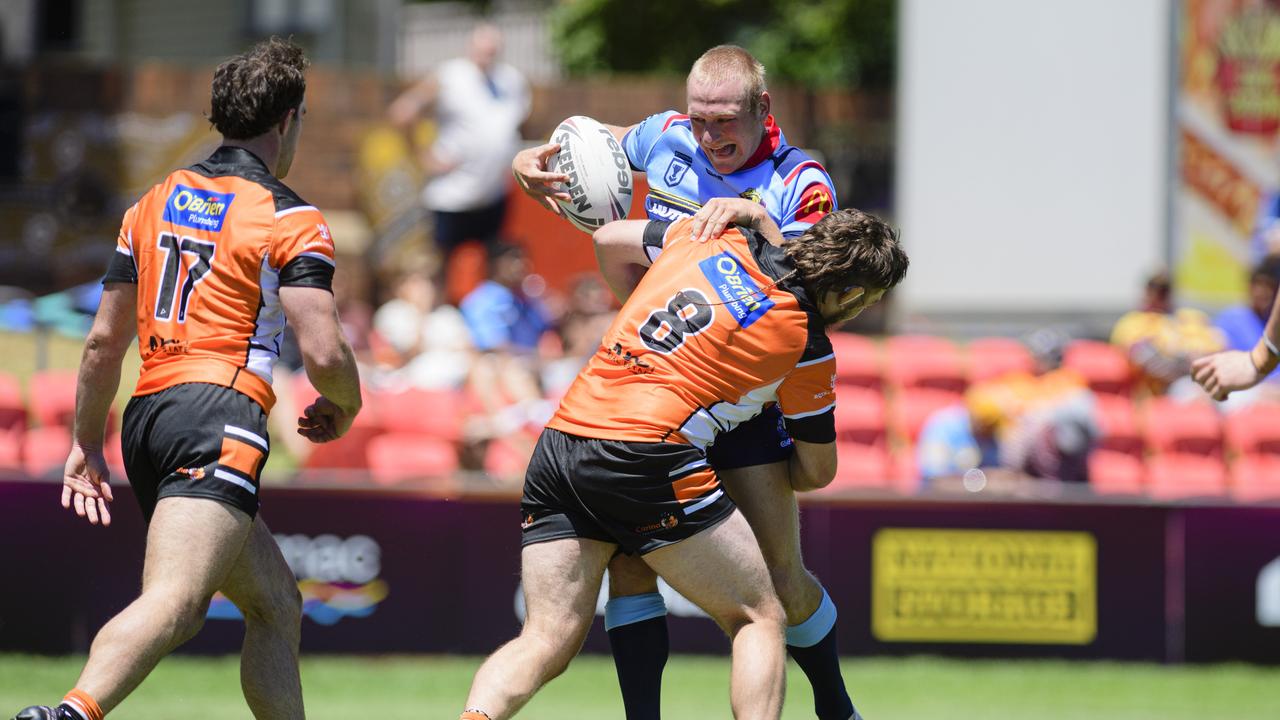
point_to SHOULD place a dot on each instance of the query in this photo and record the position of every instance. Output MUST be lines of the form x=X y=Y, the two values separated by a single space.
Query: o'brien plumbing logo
x=338 y=578
x=196 y=208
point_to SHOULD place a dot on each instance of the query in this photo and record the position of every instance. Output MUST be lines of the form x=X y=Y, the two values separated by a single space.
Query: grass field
x=885 y=689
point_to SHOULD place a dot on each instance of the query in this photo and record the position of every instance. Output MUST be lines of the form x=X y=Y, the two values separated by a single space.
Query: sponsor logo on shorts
x=196 y=208
x=667 y=522
x=741 y=296
x=527 y=522
x=193 y=473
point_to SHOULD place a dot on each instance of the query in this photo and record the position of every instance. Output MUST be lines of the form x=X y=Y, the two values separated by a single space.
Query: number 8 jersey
x=209 y=249
x=713 y=333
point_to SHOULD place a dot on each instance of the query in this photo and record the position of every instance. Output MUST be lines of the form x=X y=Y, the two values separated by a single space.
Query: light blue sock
x=811 y=631
x=633 y=609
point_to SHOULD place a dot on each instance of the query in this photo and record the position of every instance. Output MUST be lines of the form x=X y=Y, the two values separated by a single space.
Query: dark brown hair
x=845 y=248
x=255 y=90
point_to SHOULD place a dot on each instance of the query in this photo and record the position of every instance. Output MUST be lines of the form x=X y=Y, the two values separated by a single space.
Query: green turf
x=885 y=689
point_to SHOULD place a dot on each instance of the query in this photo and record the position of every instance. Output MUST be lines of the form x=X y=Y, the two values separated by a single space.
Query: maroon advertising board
x=394 y=572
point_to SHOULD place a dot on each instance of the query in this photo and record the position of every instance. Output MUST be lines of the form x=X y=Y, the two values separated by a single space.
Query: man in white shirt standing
x=478 y=104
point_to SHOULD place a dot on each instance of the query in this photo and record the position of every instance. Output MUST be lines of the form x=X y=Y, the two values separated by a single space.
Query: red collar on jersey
x=769 y=144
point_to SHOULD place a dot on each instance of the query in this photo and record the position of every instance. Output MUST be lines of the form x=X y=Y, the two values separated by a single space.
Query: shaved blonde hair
x=724 y=63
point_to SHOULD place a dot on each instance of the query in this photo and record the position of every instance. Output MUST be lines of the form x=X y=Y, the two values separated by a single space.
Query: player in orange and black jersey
x=209 y=264
x=719 y=330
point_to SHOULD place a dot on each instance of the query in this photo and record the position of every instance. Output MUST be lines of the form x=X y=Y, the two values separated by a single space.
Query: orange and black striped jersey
x=713 y=333
x=209 y=249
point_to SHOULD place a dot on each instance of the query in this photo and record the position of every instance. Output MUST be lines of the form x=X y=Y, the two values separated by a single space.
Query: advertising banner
x=1232 y=584
x=1228 y=113
x=389 y=572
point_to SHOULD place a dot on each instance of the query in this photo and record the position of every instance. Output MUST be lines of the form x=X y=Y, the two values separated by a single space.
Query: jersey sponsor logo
x=659 y=210
x=753 y=195
x=816 y=201
x=196 y=208
x=739 y=292
x=676 y=169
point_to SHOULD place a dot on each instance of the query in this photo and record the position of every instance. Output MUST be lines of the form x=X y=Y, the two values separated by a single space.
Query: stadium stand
x=1104 y=367
x=1112 y=472
x=1254 y=430
x=857 y=360
x=44 y=450
x=13 y=421
x=923 y=361
x=1183 y=476
x=913 y=406
x=860 y=467
x=1118 y=423
x=53 y=397
x=1184 y=427
x=397 y=457
x=860 y=415
x=1256 y=478
x=995 y=356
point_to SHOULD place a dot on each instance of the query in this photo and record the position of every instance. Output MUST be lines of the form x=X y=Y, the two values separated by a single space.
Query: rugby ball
x=600 y=182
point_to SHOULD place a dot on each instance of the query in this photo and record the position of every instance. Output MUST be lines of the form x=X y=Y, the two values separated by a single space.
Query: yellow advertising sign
x=984 y=586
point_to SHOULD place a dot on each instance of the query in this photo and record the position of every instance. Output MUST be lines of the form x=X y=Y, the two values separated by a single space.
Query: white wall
x=1032 y=151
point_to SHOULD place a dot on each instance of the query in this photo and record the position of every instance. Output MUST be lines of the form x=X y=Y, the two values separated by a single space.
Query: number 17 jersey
x=209 y=249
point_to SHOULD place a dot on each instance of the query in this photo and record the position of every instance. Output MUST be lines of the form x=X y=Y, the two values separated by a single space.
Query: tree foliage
x=815 y=43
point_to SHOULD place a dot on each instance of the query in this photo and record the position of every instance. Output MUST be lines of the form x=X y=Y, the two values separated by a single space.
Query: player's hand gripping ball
x=600 y=183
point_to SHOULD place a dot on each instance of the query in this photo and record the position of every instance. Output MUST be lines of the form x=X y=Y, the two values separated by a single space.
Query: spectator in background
x=1161 y=342
x=1017 y=425
x=507 y=325
x=429 y=342
x=589 y=313
x=478 y=104
x=1242 y=325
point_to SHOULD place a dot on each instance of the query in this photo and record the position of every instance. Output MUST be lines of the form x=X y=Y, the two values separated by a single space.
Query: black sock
x=821 y=664
x=639 y=654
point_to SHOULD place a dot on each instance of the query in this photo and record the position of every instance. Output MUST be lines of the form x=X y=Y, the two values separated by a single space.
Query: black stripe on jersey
x=121 y=269
x=304 y=271
x=230 y=160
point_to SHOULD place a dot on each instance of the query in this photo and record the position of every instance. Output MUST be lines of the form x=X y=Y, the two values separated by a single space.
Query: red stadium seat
x=1118 y=422
x=1254 y=430
x=905 y=470
x=913 y=407
x=1177 y=476
x=507 y=460
x=52 y=396
x=1116 y=473
x=1255 y=478
x=857 y=360
x=860 y=467
x=114 y=452
x=1193 y=427
x=995 y=356
x=1104 y=366
x=44 y=450
x=923 y=361
x=13 y=421
x=860 y=415
x=396 y=458
x=432 y=412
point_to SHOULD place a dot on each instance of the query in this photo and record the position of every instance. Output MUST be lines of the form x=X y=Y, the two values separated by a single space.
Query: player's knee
x=280 y=608
x=763 y=610
x=185 y=616
x=795 y=586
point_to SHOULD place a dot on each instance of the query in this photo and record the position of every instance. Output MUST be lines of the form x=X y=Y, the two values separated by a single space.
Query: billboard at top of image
x=1228 y=119
x=984 y=586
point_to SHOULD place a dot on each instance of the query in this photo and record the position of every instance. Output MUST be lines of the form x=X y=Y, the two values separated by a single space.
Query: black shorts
x=762 y=440
x=641 y=496
x=195 y=440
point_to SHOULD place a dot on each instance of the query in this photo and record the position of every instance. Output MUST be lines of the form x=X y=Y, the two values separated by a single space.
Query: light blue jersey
x=793 y=187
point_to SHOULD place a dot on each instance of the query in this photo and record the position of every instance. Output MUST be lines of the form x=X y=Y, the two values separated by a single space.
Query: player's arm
x=1223 y=373
x=623 y=252
x=812 y=465
x=328 y=359
x=85 y=477
x=717 y=214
